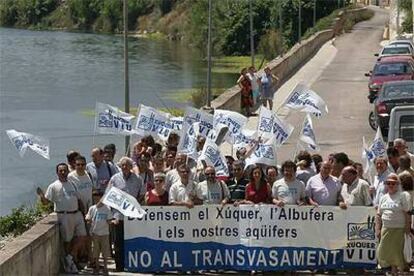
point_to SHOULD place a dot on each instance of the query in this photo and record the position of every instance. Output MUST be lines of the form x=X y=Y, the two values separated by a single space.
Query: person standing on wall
x=269 y=82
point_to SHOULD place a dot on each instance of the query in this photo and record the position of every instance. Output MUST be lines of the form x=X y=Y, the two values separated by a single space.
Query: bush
x=19 y=221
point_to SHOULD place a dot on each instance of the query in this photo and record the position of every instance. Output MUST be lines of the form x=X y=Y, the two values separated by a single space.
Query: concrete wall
x=36 y=252
x=286 y=66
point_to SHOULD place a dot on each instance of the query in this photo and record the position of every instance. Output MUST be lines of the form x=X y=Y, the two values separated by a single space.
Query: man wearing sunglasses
x=213 y=191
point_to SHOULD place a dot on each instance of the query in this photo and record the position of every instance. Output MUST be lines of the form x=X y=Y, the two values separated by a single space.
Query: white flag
x=233 y=120
x=151 y=121
x=110 y=120
x=367 y=156
x=213 y=157
x=22 y=141
x=270 y=125
x=308 y=135
x=173 y=125
x=378 y=146
x=188 y=140
x=305 y=100
x=193 y=115
x=245 y=138
x=264 y=153
x=123 y=202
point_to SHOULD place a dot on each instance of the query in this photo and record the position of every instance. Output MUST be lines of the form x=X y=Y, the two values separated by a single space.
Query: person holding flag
x=132 y=184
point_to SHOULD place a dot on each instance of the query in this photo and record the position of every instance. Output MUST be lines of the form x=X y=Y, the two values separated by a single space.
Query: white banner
x=234 y=120
x=270 y=125
x=265 y=153
x=23 y=140
x=151 y=121
x=188 y=140
x=110 y=120
x=308 y=135
x=123 y=202
x=193 y=115
x=305 y=100
x=213 y=157
x=250 y=237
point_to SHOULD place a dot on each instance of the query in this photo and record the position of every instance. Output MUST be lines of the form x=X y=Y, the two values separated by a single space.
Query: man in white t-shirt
x=185 y=192
x=213 y=191
x=355 y=191
x=71 y=223
x=80 y=178
x=288 y=190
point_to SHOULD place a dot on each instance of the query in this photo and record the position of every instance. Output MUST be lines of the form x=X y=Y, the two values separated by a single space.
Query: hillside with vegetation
x=275 y=22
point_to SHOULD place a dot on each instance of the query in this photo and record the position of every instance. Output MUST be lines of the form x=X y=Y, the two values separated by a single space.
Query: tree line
x=276 y=22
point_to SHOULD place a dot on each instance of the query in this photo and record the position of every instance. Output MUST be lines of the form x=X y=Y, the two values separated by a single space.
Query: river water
x=49 y=81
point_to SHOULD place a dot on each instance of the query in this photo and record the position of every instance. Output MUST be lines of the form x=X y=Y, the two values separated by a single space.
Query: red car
x=389 y=69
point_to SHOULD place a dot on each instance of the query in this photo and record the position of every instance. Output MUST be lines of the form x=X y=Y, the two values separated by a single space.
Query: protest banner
x=264 y=153
x=151 y=121
x=22 y=141
x=233 y=120
x=250 y=237
x=123 y=202
x=270 y=125
x=212 y=156
x=110 y=120
x=193 y=115
x=305 y=100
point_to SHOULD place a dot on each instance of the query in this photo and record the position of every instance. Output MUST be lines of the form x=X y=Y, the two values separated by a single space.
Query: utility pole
x=300 y=22
x=209 y=57
x=281 y=25
x=314 y=13
x=251 y=32
x=398 y=18
x=126 y=72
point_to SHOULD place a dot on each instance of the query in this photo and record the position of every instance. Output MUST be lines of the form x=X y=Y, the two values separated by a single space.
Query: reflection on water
x=48 y=78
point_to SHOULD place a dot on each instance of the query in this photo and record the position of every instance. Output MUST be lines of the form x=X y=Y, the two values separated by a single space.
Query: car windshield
x=396 y=51
x=399 y=91
x=400 y=68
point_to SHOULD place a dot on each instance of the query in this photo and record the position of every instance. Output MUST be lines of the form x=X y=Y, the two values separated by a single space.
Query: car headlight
x=374 y=86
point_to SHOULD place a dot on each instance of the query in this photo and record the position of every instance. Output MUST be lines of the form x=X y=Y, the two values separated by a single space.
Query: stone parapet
x=35 y=252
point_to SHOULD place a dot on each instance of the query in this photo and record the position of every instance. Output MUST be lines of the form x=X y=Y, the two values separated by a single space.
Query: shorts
x=100 y=244
x=71 y=225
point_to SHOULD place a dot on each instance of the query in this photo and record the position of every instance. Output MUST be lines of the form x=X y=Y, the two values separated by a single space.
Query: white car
x=401 y=125
x=409 y=43
x=395 y=50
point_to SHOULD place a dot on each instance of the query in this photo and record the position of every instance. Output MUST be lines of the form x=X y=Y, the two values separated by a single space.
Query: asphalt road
x=336 y=73
x=344 y=88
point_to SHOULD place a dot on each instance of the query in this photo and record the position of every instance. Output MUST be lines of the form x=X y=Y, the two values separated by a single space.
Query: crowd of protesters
x=157 y=175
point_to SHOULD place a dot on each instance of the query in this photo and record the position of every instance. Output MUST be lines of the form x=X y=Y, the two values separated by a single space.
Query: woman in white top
x=392 y=222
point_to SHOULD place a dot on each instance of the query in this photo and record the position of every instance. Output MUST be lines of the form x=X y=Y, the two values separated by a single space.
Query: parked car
x=407 y=42
x=392 y=94
x=389 y=69
x=395 y=50
x=402 y=125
